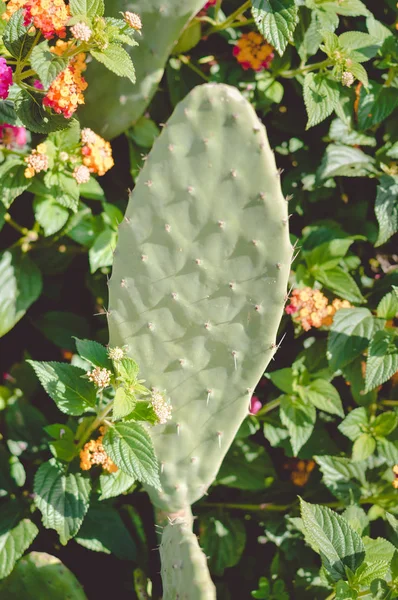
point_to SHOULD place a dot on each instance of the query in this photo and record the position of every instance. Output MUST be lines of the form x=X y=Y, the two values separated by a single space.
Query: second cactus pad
x=199 y=280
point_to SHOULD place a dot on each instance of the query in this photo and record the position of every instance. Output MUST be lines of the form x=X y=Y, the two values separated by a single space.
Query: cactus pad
x=199 y=280
x=40 y=576
x=123 y=103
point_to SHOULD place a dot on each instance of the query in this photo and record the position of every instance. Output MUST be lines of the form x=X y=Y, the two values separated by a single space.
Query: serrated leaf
x=365 y=46
x=34 y=116
x=363 y=447
x=386 y=208
x=377 y=30
x=348 y=8
x=276 y=20
x=64 y=188
x=355 y=423
x=342 y=133
x=299 y=418
x=320 y=97
x=378 y=556
x=47 y=64
x=359 y=73
x=331 y=536
x=117 y=60
x=223 y=540
x=114 y=484
x=356 y=518
x=49 y=214
x=94 y=353
x=388 y=306
x=324 y=396
x=344 y=161
x=340 y=282
x=12 y=180
x=388 y=450
x=342 y=476
x=375 y=104
x=89 y=8
x=68 y=138
x=382 y=361
x=16 y=38
x=64 y=384
x=350 y=335
x=20 y=285
x=62 y=498
x=7 y=113
x=15 y=536
x=124 y=403
x=130 y=447
x=385 y=423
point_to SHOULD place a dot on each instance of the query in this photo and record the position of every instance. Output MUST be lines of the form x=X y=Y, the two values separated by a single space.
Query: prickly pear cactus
x=122 y=103
x=185 y=574
x=41 y=576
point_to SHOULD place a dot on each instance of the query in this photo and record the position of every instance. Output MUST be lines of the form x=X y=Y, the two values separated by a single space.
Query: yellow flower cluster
x=12 y=7
x=310 y=308
x=37 y=161
x=94 y=453
x=253 y=52
x=66 y=91
x=395 y=482
x=97 y=153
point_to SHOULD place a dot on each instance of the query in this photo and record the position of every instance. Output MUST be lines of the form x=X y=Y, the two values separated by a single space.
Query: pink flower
x=255 y=405
x=209 y=4
x=5 y=78
x=12 y=136
x=38 y=84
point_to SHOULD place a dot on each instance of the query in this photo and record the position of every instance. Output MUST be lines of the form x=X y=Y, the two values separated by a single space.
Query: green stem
x=94 y=425
x=268 y=407
x=306 y=69
x=8 y=219
x=27 y=74
x=251 y=507
x=229 y=20
x=185 y=60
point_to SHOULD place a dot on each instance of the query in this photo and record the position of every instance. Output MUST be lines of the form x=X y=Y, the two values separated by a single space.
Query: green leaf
x=344 y=161
x=64 y=188
x=282 y=379
x=117 y=60
x=348 y=8
x=382 y=361
x=114 y=484
x=385 y=423
x=320 y=97
x=388 y=305
x=365 y=46
x=94 y=352
x=7 y=113
x=124 y=403
x=62 y=498
x=324 y=396
x=340 y=282
x=63 y=447
x=356 y=518
x=345 y=592
x=60 y=326
x=47 y=64
x=355 y=423
x=12 y=180
x=16 y=38
x=341 y=132
x=359 y=73
x=20 y=286
x=104 y=531
x=378 y=557
x=92 y=190
x=377 y=30
x=350 y=335
x=101 y=252
x=34 y=116
x=276 y=20
x=89 y=8
x=363 y=447
x=130 y=447
x=376 y=103
x=246 y=466
x=329 y=254
x=354 y=374
x=49 y=214
x=299 y=418
x=223 y=540
x=386 y=208
x=144 y=132
x=15 y=536
x=64 y=384
x=331 y=536
x=67 y=139
x=342 y=476
x=388 y=450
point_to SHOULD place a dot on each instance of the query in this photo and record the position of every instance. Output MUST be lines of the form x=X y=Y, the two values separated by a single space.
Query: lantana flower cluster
x=37 y=161
x=49 y=16
x=93 y=453
x=5 y=78
x=310 y=308
x=253 y=52
x=96 y=152
x=12 y=136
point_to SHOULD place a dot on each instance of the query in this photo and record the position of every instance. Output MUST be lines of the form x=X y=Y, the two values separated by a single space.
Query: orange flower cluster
x=94 y=453
x=97 y=153
x=395 y=482
x=66 y=91
x=253 y=52
x=12 y=7
x=300 y=471
x=310 y=308
x=37 y=161
x=49 y=16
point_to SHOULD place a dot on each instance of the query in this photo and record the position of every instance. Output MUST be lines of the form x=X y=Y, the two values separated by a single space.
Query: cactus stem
x=171 y=147
x=174 y=295
x=278 y=266
x=198 y=261
x=209 y=393
x=221 y=224
x=167 y=227
x=149 y=183
x=219 y=436
x=255 y=242
x=178 y=426
x=144 y=257
x=233 y=173
x=234 y=354
x=190 y=189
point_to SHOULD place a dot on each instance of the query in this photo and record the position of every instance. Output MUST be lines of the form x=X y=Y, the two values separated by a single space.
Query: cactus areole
x=199 y=282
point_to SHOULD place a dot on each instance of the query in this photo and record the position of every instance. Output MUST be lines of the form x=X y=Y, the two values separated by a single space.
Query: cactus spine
x=41 y=576
x=123 y=103
x=198 y=289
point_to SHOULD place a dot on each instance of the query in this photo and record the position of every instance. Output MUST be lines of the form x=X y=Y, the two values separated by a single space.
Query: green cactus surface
x=199 y=280
x=40 y=576
x=185 y=575
x=123 y=103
